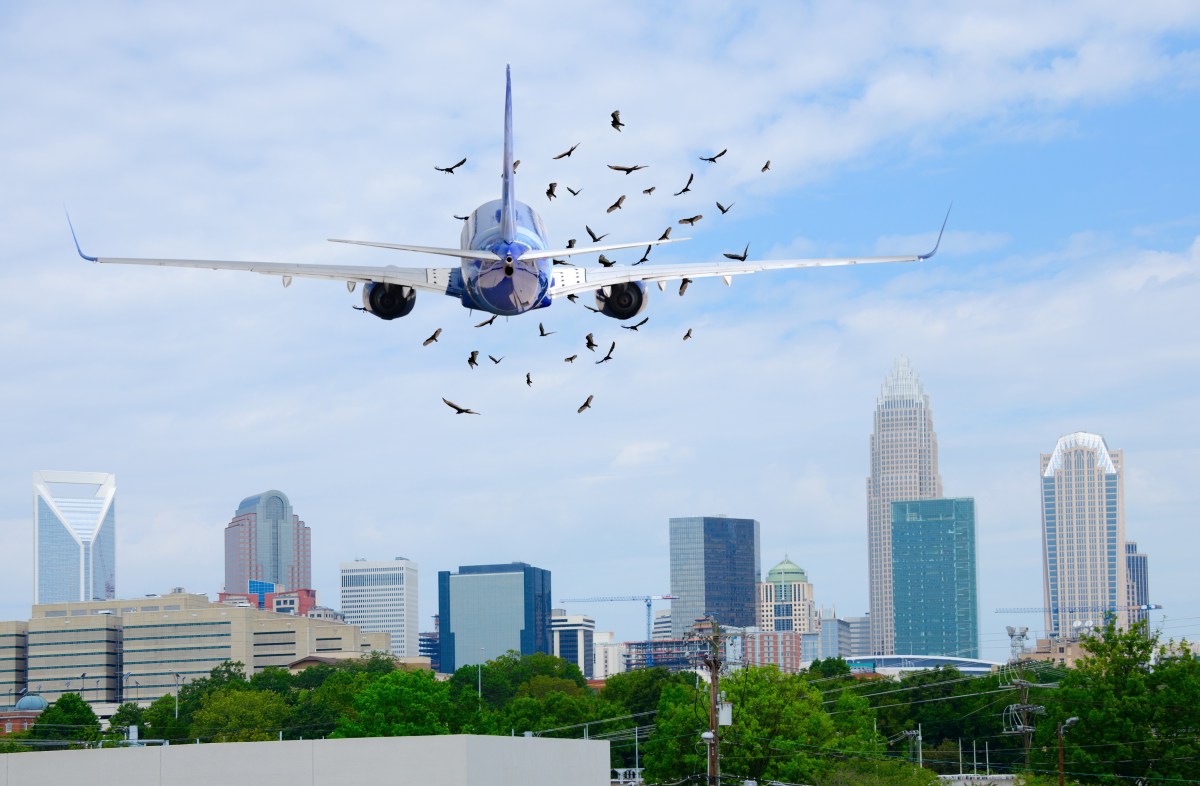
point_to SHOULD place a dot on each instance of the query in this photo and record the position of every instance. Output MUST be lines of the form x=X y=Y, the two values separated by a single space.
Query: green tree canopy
x=232 y=714
x=401 y=704
x=70 y=719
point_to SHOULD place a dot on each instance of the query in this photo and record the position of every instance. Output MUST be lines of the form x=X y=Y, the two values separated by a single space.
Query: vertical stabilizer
x=508 y=203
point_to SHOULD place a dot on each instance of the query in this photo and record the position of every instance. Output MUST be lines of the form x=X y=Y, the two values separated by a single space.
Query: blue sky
x=1063 y=298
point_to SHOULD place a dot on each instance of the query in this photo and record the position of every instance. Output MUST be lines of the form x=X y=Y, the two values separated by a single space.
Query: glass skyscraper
x=904 y=466
x=1137 y=566
x=267 y=542
x=715 y=568
x=1083 y=534
x=486 y=610
x=934 y=595
x=74 y=537
x=382 y=596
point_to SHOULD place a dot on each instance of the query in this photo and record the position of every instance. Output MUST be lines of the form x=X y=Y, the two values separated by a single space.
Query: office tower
x=1083 y=534
x=785 y=600
x=858 y=632
x=934 y=596
x=382 y=596
x=486 y=610
x=267 y=542
x=429 y=646
x=714 y=571
x=74 y=537
x=904 y=466
x=574 y=639
x=662 y=624
x=1137 y=566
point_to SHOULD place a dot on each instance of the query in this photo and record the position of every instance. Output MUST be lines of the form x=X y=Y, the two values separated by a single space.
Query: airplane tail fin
x=508 y=205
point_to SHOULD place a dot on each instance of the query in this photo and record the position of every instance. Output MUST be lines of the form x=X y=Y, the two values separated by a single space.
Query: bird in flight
x=487 y=321
x=724 y=208
x=495 y=359
x=573 y=297
x=626 y=169
x=473 y=360
x=573 y=191
x=616 y=205
x=516 y=164
x=542 y=331
x=713 y=159
x=550 y=191
x=595 y=238
x=570 y=359
x=571 y=242
x=687 y=186
x=666 y=234
x=567 y=153
x=432 y=338
x=638 y=325
x=462 y=218
x=457 y=409
x=739 y=257
x=591 y=344
x=607 y=357
x=687 y=335
x=586 y=405
x=528 y=380
x=683 y=285
x=690 y=221
x=649 y=191
x=449 y=170
x=645 y=257
x=605 y=261
x=766 y=166
x=616 y=119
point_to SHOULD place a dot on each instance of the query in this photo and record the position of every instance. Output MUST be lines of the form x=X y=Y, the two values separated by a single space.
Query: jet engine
x=622 y=301
x=388 y=301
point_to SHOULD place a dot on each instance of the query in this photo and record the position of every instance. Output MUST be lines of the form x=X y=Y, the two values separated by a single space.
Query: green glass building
x=934 y=594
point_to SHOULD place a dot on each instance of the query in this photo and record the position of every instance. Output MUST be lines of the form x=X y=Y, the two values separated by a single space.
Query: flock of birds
x=552 y=193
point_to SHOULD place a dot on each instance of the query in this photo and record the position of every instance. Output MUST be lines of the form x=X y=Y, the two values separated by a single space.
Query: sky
x=1063 y=297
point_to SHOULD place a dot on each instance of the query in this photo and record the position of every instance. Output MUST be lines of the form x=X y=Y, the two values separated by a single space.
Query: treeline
x=1137 y=702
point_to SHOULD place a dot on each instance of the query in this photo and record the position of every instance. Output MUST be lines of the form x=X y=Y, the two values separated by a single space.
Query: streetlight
x=176 y=695
x=709 y=738
x=83 y=686
x=1062 y=729
x=125 y=684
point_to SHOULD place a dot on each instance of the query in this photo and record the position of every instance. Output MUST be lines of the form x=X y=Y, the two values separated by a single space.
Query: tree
x=274 y=678
x=401 y=704
x=128 y=714
x=231 y=714
x=638 y=691
x=830 y=667
x=69 y=719
x=867 y=772
x=503 y=677
x=674 y=750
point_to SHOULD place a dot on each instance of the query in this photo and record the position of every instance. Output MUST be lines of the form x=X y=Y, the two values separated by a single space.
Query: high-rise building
x=662 y=624
x=858 y=635
x=1083 y=534
x=382 y=596
x=74 y=536
x=1137 y=567
x=265 y=541
x=785 y=600
x=485 y=611
x=934 y=596
x=904 y=466
x=715 y=569
x=574 y=639
x=427 y=642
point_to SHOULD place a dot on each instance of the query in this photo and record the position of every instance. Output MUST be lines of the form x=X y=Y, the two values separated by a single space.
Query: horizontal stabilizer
x=461 y=253
x=566 y=252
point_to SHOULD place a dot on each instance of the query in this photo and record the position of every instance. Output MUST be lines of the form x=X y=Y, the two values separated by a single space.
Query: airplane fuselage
x=501 y=282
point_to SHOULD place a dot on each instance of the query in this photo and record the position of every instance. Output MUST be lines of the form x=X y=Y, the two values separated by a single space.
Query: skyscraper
x=785 y=600
x=935 y=601
x=382 y=596
x=574 y=639
x=486 y=610
x=1137 y=566
x=267 y=542
x=1083 y=534
x=74 y=537
x=715 y=568
x=904 y=466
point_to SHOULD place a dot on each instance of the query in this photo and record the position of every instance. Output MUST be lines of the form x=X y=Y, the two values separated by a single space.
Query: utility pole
x=712 y=661
x=1062 y=729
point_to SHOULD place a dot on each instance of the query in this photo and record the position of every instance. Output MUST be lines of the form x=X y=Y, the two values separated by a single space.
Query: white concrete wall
x=453 y=760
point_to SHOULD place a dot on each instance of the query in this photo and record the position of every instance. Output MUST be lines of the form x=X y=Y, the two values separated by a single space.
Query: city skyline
x=1059 y=132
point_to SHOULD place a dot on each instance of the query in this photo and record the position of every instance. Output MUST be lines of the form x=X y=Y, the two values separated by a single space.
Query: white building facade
x=382 y=596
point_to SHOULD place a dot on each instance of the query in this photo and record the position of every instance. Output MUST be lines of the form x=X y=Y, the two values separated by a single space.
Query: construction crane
x=1077 y=609
x=647 y=599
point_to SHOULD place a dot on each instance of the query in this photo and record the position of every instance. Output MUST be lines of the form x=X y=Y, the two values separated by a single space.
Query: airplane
x=506 y=265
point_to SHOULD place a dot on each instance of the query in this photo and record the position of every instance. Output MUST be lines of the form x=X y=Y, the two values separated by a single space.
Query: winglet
x=73 y=237
x=940 y=232
x=508 y=203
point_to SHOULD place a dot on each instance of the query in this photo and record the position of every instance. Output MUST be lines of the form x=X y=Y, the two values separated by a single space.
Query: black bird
x=528 y=380
x=591 y=344
x=591 y=309
x=586 y=405
x=616 y=205
x=688 y=186
x=645 y=257
x=495 y=359
x=516 y=164
x=767 y=165
x=473 y=360
x=666 y=234
x=550 y=191
x=462 y=218
x=713 y=159
x=739 y=257
x=607 y=357
x=690 y=221
x=432 y=338
x=542 y=331
x=487 y=322
x=449 y=170
x=573 y=191
x=562 y=262
x=605 y=261
x=457 y=409
x=571 y=242
x=566 y=154
x=687 y=335
x=626 y=169
x=573 y=297
x=570 y=359
x=649 y=191
x=683 y=285
x=638 y=325
x=723 y=208
x=595 y=238
x=616 y=119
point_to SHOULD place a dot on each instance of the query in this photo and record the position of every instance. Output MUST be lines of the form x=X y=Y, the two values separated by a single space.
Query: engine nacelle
x=388 y=301
x=622 y=301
